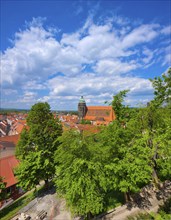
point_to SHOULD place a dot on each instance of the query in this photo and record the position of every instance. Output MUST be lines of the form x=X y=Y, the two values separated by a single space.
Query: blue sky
x=56 y=51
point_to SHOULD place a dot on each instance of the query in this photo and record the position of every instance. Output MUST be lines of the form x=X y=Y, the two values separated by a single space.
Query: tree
x=162 y=89
x=37 y=146
x=117 y=104
x=80 y=176
x=123 y=158
x=128 y=157
x=157 y=122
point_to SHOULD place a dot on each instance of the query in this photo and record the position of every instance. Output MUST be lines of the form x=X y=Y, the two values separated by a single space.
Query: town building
x=98 y=115
x=8 y=162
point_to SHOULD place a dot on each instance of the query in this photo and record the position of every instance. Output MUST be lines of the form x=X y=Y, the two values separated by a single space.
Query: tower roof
x=81 y=100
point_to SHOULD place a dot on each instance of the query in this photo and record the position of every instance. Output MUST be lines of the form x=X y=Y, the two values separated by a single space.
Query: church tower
x=81 y=108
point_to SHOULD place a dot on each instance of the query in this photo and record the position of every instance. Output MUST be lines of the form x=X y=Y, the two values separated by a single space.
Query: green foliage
x=119 y=158
x=37 y=146
x=156 y=124
x=12 y=111
x=23 y=146
x=80 y=174
x=121 y=110
x=162 y=87
x=84 y=122
x=2 y=189
x=124 y=156
x=160 y=125
x=30 y=170
x=128 y=157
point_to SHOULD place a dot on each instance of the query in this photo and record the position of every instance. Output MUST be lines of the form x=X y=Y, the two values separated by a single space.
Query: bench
x=41 y=215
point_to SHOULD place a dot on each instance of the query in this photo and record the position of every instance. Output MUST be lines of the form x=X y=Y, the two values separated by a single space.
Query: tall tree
x=158 y=124
x=129 y=157
x=37 y=146
x=80 y=176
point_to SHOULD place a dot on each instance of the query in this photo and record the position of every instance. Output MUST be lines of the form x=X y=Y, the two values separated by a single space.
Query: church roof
x=104 y=113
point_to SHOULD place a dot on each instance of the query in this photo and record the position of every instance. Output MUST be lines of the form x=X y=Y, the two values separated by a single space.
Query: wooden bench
x=41 y=215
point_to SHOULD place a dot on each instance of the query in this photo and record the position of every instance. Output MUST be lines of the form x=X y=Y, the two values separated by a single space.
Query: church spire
x=81 y=108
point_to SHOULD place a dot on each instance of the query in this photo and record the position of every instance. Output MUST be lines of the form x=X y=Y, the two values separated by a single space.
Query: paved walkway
x=153 y=202
x=122 y=212
x=56 y=207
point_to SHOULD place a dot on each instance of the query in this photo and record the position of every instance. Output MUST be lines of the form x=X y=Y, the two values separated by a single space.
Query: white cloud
x=70 y=39
x=44 y=99
x=166 y=30
x=148 y=55
x=98 y=86
x=167 y=56
x=115 y=67
x=28 y=96
x=95 y=60
x=34 y=85
x=142 y=34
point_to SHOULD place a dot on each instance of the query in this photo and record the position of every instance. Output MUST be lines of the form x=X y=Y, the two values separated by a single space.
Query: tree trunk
x=89 y=216
x=46 y=183
x=155 y=177
x=126 y=197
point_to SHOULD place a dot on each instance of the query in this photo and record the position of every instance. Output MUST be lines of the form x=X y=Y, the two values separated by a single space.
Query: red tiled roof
x=7 y=164
x=105 y=112
x=19 y=128
x=22 y=121
x=10 y=139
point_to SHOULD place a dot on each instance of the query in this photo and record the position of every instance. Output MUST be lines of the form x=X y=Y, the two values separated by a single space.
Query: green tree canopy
x=37 y=146
x=80 y=174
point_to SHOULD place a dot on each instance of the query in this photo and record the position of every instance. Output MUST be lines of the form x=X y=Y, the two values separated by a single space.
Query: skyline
x=57 y=51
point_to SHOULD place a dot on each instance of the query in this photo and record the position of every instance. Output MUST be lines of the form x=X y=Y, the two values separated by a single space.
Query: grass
x=10 y=211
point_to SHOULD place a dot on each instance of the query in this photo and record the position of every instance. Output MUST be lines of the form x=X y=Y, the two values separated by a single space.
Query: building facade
x=96 y=114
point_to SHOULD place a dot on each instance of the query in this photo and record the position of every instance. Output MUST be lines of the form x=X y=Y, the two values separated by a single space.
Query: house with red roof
x=7 y=166
x=8 y=162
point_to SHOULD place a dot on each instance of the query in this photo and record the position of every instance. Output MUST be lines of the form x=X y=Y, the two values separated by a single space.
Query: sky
x=57 y=51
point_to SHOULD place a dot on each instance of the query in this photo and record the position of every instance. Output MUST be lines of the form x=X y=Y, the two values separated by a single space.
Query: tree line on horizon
x=96 y=171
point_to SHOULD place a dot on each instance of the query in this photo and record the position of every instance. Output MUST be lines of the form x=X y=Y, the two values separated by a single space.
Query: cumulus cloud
x=98 y=86
x=96 y=60
x=115 y=67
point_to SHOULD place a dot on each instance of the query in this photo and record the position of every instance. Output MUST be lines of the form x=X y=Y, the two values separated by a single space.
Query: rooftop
x=7 y=164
